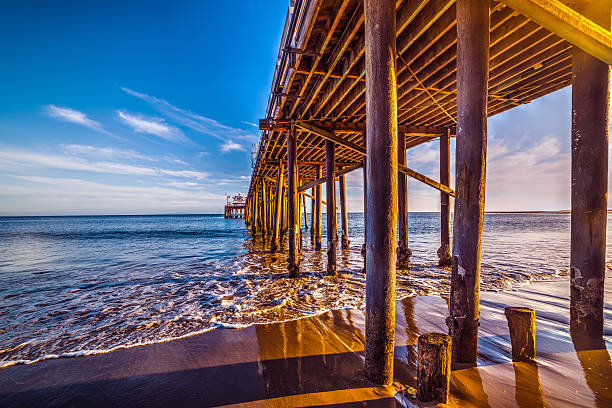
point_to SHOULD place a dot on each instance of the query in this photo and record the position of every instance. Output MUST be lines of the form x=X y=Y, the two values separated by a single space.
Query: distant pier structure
x=358 y=83
x=235 y=206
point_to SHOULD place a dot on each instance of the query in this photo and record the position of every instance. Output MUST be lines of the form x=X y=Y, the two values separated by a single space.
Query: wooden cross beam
x=326 y=134
x=568 y=24
x=338 y=173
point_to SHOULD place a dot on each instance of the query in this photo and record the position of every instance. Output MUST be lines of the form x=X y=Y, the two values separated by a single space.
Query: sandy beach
x=319 y=360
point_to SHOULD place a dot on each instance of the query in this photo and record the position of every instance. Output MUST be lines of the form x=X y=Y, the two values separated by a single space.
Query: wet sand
x=319 y=361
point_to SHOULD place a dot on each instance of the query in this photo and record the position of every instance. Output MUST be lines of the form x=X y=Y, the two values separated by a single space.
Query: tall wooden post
x=293 y=205
x=285 y=217
x=590 y=99
x=277 y=209
x=472 y=79
x=312 y=213
x=317 y=220
x=444 y=252
x=403 y=253
x=330 y=196
x=381 y=114
x=305 y=213
x=264 y=209
x=255 y=214
x=343 y=213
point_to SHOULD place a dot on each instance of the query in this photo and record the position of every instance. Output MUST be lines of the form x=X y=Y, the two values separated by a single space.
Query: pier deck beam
x=590 y=99
x=472 y=78
x=381 y=221
x=330 y=193
x=403 y=253
x=317 y=219
x=444 y=253
x=343 y=212
x=293 y=204
x=277 y=209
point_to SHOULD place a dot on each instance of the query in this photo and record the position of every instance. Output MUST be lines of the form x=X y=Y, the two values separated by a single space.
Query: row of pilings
x=273 y=207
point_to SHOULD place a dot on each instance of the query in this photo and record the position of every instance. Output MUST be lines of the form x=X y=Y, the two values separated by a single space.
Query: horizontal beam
x=409 y=172
x=338 y=173
x=568 y=24
x=351 y=127
x=311 y=196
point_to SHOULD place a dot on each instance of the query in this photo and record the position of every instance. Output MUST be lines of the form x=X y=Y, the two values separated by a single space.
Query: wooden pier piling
x=293 y=205
x=521 y=323
x=433 y=367
x=343 y=212
x=403 y=253
x=381 y=113
x=317 y=219
x=330 y=196
x=278 y=204
x=312 y=213
x=590 y=109
x=444 y=252
x=472 y=80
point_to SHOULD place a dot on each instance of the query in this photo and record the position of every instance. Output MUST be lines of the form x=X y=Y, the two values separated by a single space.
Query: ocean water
x=83 y=285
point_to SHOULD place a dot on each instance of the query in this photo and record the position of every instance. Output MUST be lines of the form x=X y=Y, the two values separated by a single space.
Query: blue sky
x=149 y=107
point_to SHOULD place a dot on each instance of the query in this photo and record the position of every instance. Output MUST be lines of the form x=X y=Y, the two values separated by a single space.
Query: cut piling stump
x=434 y=367
x=521 y=323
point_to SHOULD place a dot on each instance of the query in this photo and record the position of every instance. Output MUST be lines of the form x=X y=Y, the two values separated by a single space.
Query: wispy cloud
x=229 y=146
x=75 y=116
x=152 y=126
x=106 y=152
x=198 y=123
x=14 y=159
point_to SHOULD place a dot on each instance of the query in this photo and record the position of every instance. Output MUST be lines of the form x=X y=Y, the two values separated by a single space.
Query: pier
x=235 y=207
x=359 y=83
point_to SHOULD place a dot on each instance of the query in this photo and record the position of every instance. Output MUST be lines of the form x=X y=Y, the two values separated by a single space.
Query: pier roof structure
x=319 y=81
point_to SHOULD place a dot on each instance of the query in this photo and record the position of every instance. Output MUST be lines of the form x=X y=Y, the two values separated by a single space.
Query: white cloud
x=229 y=146
x=106 y=152
x=75 y=116
x=152 y=126
x=50 y=195
x=14 y=159
x=194 y=121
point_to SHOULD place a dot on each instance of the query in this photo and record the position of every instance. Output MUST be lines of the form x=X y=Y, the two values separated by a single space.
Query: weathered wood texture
x=278 y=204
x=472 y=73
x=521 y=323
x=318 y=194
x=403 y=252
x=330 y=195
x=444 y=252
x=381 y=106
x=312 y=212
x=590 y=109
x=433 y=367
x=293 y=208
x=343 y=212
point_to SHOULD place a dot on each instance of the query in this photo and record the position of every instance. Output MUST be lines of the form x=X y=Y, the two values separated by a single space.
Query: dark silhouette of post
x=293 y=205
x=278 y=204
x=471 y=151
x=330 y=196
x=264 y=211
x=343 y=213
x=590 y=99
x=444 y=253
x=403 y=253
x=381 y=220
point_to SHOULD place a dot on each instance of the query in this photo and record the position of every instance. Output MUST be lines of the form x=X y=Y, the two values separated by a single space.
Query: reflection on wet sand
x=596 y=366
x=527 y=387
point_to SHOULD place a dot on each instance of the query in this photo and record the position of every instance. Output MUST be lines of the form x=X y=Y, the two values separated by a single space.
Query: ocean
x=74 y=286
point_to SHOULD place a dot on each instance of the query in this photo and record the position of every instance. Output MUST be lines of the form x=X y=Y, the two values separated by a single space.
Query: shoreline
x=318 y=359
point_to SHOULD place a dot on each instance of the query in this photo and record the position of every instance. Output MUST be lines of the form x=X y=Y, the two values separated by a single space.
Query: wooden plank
x=569 y=25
